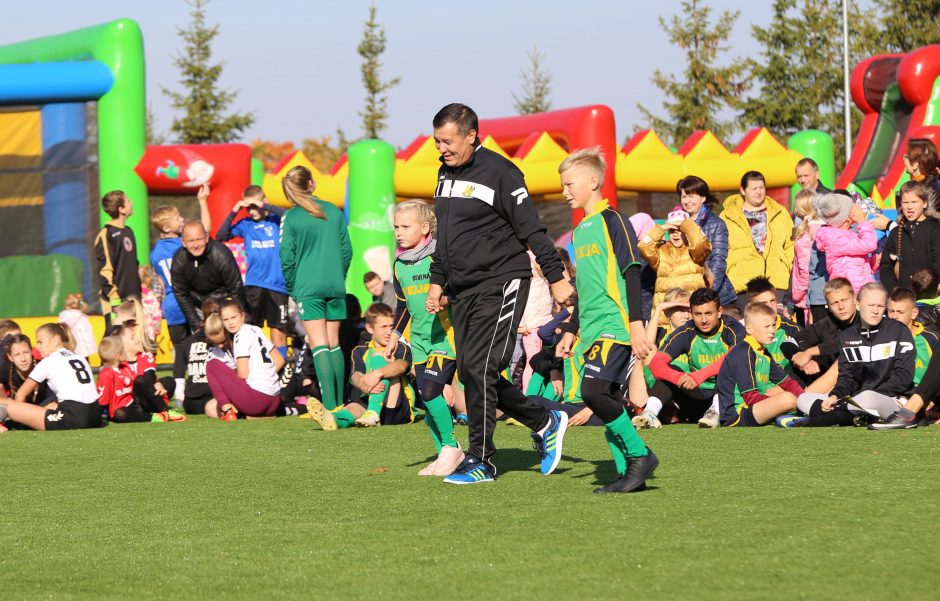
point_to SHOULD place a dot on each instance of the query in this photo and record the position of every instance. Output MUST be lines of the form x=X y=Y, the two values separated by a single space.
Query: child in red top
x=149 y=393
x=115 y=384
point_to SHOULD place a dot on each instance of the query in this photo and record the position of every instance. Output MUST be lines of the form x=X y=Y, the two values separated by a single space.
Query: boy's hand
x=391 y=347
x=159 y=389
x=563 y=293
x=371 y=382
x=829 y=403
x=811 y=368
x=580 y=418
x=203 y=194
x=638 y=341
x=687 y=381
x=564 y=348
x=433 y=301
x=857 y=214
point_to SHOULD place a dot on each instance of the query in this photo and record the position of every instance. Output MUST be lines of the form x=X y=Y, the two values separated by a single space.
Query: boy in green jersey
x=385 y=394
x=609 y=314
x=902 y=306
x=783 y=346
x=431 y=334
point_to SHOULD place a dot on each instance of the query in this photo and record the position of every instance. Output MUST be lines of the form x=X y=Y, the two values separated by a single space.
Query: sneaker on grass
x=895 y=422
x=319 y=414
x=369 y=419
x=639 y=470
x=549 y=445
x=709 y=420
x=470 y=471
x=646 y=420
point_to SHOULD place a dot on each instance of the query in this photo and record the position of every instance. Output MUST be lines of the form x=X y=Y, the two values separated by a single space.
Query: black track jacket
x=214 y=274
x=485 y=219
x=879 y=358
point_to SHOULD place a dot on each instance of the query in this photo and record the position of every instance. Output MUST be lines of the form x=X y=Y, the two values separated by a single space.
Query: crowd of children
x=669 y=324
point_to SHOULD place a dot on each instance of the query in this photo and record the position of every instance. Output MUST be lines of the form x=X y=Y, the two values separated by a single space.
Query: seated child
x=752 y=388
x=902 y=307
x=191 y=355
x=149 y=395
x=253 y=388
x=680 y=262
x=20 y=363
x=705 y=340
x=116 y=385
x=925 y=281
x=70 y=379
x=385 y=394
x=784 y=346
x=75 y=318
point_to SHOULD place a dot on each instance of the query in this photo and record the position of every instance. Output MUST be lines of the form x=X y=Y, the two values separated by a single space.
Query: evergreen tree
x=203 y=104
x=536 y=87
x=695 y=101
x=370 y=48
x=905 y=25
x=798 y=81
x=152 y=137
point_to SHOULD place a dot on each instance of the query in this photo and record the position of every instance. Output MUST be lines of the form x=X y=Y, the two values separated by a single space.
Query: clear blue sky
x=295 y=64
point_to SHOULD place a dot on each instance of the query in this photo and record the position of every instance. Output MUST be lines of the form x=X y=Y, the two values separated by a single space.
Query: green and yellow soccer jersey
x=926 y=343
x=604 y=247
x=573 y=370
x=431 y=334
x=370 y=357
x=703 y=350
x=748 y=367
x=786 y=333
x=681 y=362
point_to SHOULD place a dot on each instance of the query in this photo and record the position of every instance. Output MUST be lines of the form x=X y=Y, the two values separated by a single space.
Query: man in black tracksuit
x=204 y=268
x=485 y=221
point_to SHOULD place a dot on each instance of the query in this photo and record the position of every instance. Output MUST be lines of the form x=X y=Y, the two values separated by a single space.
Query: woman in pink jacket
x=848 y=253
x=804 y=235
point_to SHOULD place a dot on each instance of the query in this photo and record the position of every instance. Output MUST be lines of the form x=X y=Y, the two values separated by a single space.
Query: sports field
x=275 y=509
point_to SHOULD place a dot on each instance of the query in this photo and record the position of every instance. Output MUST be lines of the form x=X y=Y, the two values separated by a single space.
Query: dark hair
x=377 y=310
x=565 y=259
x=752 y=176
x=693 y=184
x=925 y=282
x=253 y=190
x=759 y=285
x=17 y=339
x=843 y=192
x=901 y=294
x=7 y=326
x=231 y=303
x=807 y=161
x=369 y=276
x=353 y=308
x=703 y=296
x=460 y=115
x=923 y=152
x=112 y=202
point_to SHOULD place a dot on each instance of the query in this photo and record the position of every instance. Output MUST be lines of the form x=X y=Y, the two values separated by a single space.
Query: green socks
x=377 y=399
x=344 y=419
x=339 y=373
x=624 y=441
x=324 y=368
x=440 y=422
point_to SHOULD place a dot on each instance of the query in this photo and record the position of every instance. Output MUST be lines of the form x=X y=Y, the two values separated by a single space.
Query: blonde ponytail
x=298 y=185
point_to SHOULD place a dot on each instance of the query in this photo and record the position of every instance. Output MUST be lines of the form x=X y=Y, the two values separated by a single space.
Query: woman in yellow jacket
x=759 y=237
x=680 y=262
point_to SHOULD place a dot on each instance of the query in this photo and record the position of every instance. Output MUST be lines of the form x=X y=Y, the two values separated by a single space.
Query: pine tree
x=536 y=87
x=203 y=104
x=906 y=25
x=798 y=81
x=695 y=101
x=152 y=137
x=370 y=48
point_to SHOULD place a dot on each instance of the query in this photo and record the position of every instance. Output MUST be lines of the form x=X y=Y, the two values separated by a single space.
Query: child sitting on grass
x=150 y=394
x=385 y=394
x=118 y=383
x=69 y=377
x=752 y=388
x=20 y=363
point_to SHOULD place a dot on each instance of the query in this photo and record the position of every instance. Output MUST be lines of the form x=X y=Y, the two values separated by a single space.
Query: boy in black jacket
x=876 y=368
x=814 y=366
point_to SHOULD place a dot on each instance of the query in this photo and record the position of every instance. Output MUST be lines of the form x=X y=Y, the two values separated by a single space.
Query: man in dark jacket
x=876 y=367
x=203 y=268
x=485 y=222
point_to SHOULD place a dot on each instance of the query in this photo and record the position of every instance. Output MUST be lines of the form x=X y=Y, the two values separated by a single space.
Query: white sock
x=654 y=405
x=714 y=405
x=180 y=393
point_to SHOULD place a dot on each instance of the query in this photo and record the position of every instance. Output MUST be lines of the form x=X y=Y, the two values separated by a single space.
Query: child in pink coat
x=848 y=252
x=803 y=237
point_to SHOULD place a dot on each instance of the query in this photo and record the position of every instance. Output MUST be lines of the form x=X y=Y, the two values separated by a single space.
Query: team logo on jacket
x=128 y=246
x=468 y=191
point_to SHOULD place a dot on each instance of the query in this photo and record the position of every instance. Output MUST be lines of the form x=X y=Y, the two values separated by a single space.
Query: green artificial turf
x=276 y=509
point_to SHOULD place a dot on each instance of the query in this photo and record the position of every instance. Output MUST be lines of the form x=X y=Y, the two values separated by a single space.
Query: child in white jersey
x=253 y=388
x=69 y=377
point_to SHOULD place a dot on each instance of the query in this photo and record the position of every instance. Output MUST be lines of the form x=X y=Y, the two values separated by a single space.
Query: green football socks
x=440 y=422
x=339 y=373
x=324 y=368
x=624 y=441
x=344 y=419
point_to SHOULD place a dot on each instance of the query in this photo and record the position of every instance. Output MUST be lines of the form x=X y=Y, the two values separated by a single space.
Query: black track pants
x=485 y=325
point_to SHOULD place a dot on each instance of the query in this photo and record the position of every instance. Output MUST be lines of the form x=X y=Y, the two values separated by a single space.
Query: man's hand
x=563 y=293
x=639 y=342
x=433 y=301
x=391 y=347
x=564 y=348
x=688 y=382
x=203 y=194
x=829 y=403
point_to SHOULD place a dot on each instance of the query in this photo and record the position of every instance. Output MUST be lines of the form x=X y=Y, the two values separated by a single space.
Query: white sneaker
x=368 y=419
x=709 y=420
x=646 y=420
x=446 y=462
x=319 y=414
